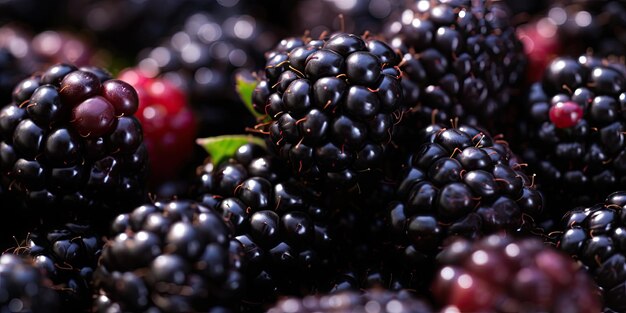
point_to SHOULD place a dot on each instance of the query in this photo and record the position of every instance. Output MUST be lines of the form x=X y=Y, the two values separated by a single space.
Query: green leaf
x=245 y=86
x=223 y=147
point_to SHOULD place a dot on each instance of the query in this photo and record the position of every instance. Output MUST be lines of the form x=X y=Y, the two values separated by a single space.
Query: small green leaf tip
x=245 y=87
x=223 y=147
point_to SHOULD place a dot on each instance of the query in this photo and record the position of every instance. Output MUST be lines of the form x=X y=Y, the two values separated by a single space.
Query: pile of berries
x=313 y=156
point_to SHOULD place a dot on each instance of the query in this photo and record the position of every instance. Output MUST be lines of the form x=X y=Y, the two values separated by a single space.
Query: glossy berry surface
x=332 y=104
x=565 y=114
x=461 y=59
x=572 y=134
x=285 y=228
x=371 y=300
x=172 y=256
x=66 y=256
x=594 y=236
x=460 y=183
x=168 y=122
x=25 y=288
x=67 y=150
x=502 y=274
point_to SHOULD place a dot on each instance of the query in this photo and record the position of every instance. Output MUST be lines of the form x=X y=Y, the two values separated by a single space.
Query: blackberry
x=461 y=182
x=332 y=105
x=174 y=256
x=201 y=56
x=502 y=274
x=24 y=287
x=69 y=148
x=461 y=59
x=67 y=256
x=372 y=300
x=572 y=133
x=594 y=236
x=283 y=226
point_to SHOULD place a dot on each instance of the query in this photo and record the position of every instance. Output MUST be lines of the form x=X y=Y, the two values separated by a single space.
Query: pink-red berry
x=566 y=114
x=168 y=123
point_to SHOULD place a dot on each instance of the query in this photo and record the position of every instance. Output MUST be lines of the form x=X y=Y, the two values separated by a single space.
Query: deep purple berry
x=501 y=274
x=66 y=152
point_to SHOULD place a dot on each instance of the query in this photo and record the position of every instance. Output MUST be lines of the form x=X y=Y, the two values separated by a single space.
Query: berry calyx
x=566 y=114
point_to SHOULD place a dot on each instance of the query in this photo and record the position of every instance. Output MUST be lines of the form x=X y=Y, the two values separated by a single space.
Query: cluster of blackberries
x=400 y=158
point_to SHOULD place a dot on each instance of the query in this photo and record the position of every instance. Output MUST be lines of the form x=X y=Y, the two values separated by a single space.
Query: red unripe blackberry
x=541 y=45
x=168 y=123
x=501 y=274
x=67 y=151
x=566 y=114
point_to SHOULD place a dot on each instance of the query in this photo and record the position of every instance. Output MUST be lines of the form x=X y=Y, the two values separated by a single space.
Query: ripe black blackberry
x=371 y=301
x=24 y=288
x=282 y=225
x=331 y=104
x=461 y=182
x=201 y=56
x=174 y=256
x=67 y=256
x=595 y=236
x=501 y=274
x=461 y=59
x=71 y=147
x=572 y=133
